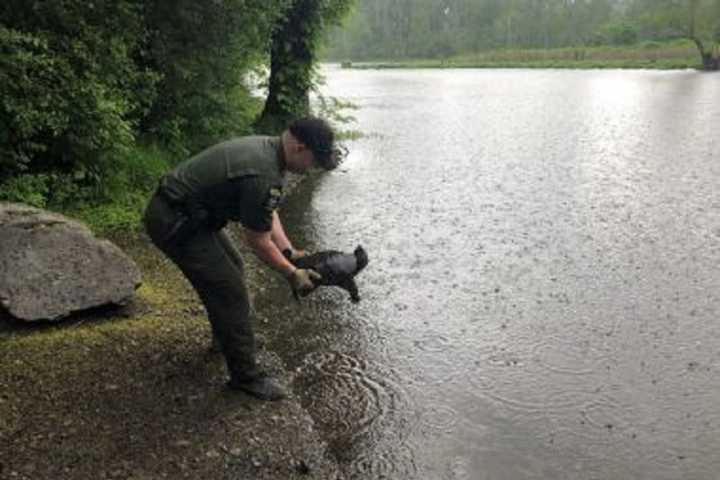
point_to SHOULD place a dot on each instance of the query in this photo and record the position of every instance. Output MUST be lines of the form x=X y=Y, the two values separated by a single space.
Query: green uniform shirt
x=239 y=180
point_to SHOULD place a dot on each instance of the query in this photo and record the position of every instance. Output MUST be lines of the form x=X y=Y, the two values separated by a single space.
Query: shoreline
x=675 y=55
x=400 y=66
x=135 y=393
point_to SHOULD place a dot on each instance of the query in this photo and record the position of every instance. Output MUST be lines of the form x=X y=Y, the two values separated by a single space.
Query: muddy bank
x=135 y=393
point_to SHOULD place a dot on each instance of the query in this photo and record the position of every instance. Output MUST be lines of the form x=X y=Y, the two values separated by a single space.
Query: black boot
x=262 y=387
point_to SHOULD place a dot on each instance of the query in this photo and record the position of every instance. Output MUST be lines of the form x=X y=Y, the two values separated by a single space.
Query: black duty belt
x=192 y=215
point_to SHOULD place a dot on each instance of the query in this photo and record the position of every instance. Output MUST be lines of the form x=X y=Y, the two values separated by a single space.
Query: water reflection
x=542 y=290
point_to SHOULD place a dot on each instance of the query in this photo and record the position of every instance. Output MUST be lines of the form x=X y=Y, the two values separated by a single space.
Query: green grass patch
x=678 y=54
x=119 y=203
x=350 y=135
x=107 y=201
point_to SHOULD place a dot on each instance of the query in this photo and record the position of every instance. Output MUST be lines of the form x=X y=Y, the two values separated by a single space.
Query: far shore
x=535 y=65
x=677 y=55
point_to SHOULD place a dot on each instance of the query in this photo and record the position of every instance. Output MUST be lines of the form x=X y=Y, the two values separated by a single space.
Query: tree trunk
x=710 y=62
x=291 y=66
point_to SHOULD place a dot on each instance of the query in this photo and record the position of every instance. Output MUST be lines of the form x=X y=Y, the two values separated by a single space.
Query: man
x=239 y=180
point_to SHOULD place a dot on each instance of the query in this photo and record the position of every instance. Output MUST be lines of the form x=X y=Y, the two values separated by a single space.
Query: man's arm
x=265 y=247
x=278 y=234
x=281 y=239
x=302 y=281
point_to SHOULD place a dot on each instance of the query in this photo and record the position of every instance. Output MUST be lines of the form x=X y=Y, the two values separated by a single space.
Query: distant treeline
x=403 y=29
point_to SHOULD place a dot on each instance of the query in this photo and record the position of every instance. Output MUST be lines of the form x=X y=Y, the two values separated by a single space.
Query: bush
x=651 y=45
x=83 y=83
x=71 y=92
x=114 y=204
x=121 y=201
x=203 y=50
x=29 y=189
x=616 y=34
x=28 y=75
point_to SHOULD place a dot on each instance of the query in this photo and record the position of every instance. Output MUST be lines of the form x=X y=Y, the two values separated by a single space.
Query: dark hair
x=316 y=134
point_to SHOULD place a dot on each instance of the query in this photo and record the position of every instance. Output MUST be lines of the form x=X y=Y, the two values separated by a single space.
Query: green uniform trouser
x=215 y=269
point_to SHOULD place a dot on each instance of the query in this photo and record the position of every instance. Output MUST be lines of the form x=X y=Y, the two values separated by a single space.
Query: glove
x=302 y=281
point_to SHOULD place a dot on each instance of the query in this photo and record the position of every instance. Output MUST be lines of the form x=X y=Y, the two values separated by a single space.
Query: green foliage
x=114 y=204
x=203 y=51
x=406 y=29
x=70 y=90
x=27 y=106
x=123 y=215
x=658 y=55
x=121 y=201
x=82 y=84
x=28 y=189
x=621 y=33
x=333 y=110
x=295 y=46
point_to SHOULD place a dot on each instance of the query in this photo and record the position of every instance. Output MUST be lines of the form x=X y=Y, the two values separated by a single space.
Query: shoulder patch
x=274 y=198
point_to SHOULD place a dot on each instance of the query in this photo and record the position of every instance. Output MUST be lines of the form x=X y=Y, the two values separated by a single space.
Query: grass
x=678 y=54
x=120 y=205
x=114 y=204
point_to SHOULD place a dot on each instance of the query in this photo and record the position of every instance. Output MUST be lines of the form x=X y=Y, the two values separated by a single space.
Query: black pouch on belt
x=190 y=216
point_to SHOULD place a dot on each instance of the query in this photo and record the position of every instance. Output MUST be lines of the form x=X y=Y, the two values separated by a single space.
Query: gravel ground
x=135 y=393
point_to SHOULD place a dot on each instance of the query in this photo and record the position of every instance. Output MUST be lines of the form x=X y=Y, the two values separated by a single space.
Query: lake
x=543 y=290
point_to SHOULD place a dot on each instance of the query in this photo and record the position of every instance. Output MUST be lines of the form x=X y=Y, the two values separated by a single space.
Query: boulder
x=52 y=266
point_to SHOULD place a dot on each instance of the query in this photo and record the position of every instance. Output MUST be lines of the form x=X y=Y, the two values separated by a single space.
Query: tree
x=398 y=29
x=203 y=51
x=70 y=93
x=709 y=55
x=293 y=54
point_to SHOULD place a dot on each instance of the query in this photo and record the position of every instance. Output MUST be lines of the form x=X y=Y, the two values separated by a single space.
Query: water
x=543 y=288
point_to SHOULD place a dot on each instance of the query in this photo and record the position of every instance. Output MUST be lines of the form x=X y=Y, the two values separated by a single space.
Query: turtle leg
x=352 y=288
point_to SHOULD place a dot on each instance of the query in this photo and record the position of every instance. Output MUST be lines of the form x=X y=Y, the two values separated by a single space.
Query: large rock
x=52 y=266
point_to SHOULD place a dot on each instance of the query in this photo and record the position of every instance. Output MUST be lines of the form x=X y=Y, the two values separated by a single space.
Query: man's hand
x=302 y=281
